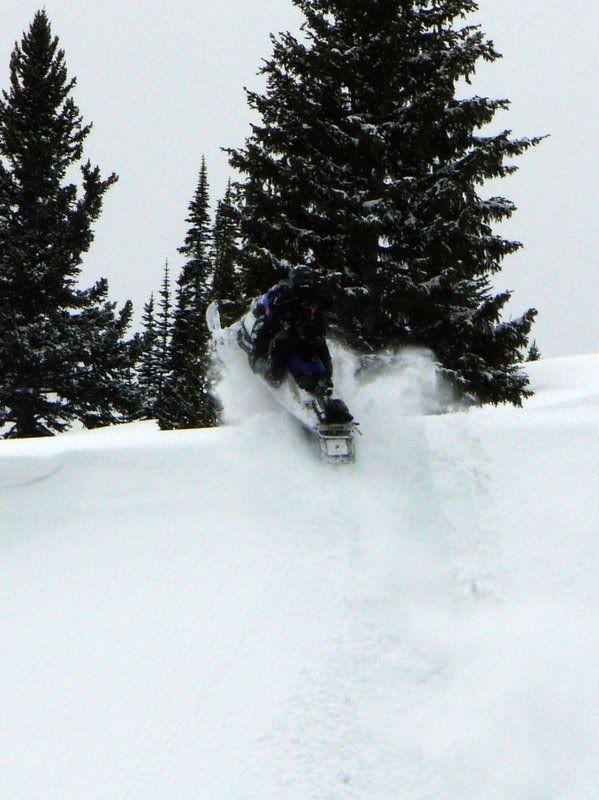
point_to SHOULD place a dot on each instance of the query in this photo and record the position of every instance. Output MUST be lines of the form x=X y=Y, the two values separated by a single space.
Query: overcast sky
x=163 y=83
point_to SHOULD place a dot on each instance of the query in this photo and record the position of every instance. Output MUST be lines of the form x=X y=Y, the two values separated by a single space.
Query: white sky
x=163 y=84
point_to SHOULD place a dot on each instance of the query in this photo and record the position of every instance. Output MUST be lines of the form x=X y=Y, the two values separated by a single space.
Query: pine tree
x=367 y=166
x=164 y=325
x=533 y=352
x=149 y=369
x=226 y=287
x=63 y=353
x=187 y=400
x=106 y=391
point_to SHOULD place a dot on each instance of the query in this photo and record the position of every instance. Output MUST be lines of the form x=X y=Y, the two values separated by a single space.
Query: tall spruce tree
x=164 y=324
x=149 y=368
x=187 y=401
x=63 y=355
x=368 y=166
x=226 y=288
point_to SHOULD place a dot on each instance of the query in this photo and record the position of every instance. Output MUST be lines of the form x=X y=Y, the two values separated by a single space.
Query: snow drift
x=216 y=614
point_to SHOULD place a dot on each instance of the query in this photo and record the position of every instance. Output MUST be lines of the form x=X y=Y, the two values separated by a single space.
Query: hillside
x=216 y=615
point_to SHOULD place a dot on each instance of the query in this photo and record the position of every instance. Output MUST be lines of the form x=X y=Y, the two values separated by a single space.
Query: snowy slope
x=216 y=615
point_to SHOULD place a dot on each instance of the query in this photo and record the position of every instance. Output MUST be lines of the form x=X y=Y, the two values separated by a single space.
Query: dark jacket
x=299 y=310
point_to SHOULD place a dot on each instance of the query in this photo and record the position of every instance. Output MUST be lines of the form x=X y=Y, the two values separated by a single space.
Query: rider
x=293 y=332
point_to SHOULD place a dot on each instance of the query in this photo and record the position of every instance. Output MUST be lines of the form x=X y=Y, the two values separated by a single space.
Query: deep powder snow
x=216 y=615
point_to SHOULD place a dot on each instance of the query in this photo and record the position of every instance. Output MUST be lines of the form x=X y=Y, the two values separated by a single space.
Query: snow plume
x=386 y=385
x=242 y=394
x=403 y=383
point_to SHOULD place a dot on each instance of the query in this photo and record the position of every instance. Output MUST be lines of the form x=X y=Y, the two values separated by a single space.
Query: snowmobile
x=305 y=393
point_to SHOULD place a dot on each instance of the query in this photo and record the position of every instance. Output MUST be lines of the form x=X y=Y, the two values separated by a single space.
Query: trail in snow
x=218 y=614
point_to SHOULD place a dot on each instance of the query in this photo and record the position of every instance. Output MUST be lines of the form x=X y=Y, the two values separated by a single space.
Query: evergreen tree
x=533 y=352
x=187 y=401
x=106 y=390
x=367 y=166
x=226 y=288
x=164 y=324
x=149 y=370
x=63 y=354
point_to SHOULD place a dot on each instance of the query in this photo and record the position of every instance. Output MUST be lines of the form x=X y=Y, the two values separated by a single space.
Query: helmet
x=301 y=276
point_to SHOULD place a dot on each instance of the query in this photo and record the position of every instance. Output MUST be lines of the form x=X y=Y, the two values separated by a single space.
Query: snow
x=217 y=614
